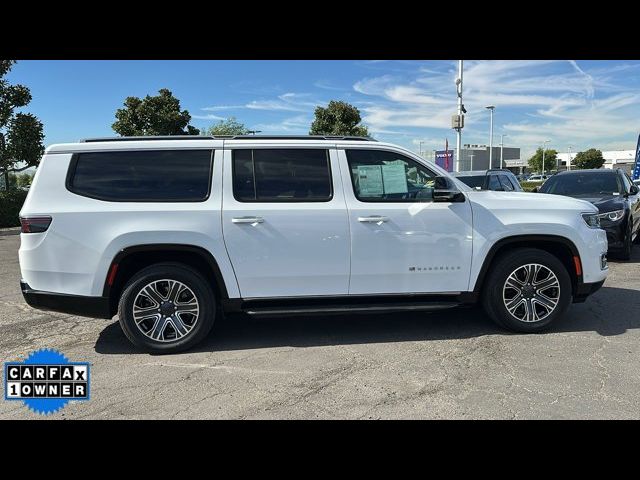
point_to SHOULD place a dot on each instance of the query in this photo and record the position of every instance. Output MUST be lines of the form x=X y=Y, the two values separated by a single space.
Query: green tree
x=591 y=158
x=24 y=179
x=230 y=126
x=338 y=118
x=21 y=136
x=550 y=160
x=159 y=115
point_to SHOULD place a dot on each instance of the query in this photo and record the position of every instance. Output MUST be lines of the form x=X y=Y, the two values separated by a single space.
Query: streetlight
x=421 y=142
x=543 y=147
x=460 y=118
x=502 y=148
x=471 y=155
x=491 y=108
x=569 y=162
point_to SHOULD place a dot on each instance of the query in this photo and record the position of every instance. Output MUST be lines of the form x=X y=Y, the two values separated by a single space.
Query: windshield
x=472 y=180
x=582 y=184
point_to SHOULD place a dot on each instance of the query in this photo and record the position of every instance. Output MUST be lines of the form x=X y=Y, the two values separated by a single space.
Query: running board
x=361 y=308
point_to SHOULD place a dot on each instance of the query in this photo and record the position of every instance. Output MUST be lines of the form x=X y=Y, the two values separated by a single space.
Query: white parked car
x=538 y=178
x=170 y=232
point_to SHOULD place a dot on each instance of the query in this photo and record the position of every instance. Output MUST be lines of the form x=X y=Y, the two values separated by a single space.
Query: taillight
x=34 y=224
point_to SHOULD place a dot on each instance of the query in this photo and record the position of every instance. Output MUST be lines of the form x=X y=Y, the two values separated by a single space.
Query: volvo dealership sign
x=444 y=158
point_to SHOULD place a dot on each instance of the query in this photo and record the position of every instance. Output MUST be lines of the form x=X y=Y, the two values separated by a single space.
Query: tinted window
x=626 y=182
x=281 y=175
x=382 y=176
x=494 y=183
x=142 y=176
x=474 y=181
x=506 y=183
x=582 y=184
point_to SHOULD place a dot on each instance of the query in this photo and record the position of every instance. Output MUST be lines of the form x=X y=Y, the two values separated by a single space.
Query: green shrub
x=528 y=186
x=10 y=204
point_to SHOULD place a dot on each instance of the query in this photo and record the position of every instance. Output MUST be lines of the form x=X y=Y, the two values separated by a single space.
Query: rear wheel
x=166 y=308
x=526 y=290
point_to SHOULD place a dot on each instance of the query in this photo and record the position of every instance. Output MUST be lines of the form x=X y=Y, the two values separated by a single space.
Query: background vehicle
x=616 y=197
x=170 y=232
x=538 y=178
x=499 y=180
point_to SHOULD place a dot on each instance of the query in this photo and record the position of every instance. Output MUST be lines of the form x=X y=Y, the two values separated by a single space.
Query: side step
x=348 y=308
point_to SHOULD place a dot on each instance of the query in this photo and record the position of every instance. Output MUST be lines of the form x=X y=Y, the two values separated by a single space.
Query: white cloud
x=535 y=100
x=288 y=102
x=207 y=117
x=298 y=125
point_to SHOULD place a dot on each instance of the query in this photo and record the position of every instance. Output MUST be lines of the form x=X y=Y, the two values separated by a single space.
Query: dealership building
x=474 y=157
x=624 y=159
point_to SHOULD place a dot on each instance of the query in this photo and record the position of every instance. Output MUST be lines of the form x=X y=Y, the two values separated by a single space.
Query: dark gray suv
x=494 y=179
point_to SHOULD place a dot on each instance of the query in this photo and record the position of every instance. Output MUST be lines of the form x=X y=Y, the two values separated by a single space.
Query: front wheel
x=627 y=244
x=166 y=308
x=527 y=290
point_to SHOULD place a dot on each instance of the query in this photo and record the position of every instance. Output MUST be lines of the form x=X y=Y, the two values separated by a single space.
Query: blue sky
x=578 y=103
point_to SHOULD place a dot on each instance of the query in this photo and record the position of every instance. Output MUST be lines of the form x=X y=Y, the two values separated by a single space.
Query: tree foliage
x=338 y=118
x=550 y=160
x=591 y=158
x=159 y=115
x=21 y=135
x=230 y=126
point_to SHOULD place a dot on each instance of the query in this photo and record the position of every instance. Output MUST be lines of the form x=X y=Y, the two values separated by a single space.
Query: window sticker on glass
x=394 y=178
x=370 y=180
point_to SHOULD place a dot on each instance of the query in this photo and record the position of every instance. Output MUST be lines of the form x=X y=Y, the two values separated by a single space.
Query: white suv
x=169 y=232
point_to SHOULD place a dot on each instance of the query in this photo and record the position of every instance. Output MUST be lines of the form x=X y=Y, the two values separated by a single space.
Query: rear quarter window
x=142 y=176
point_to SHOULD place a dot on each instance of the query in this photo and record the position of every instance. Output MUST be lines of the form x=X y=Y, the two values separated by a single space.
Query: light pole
x=421 y=142
x=491 y=108
x=471 y=155
x=569 y=162
x=461 y=110
x=543 y=147
x=502 y=148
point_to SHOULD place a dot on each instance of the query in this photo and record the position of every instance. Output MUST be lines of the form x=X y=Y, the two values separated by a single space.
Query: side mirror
x=444 y=192
x=634 y=190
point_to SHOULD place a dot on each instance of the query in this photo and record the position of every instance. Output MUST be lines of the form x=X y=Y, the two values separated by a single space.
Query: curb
x=9 y=231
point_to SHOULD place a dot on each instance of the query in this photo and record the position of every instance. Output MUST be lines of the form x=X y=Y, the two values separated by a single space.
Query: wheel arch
x=561 y=247
x=130 y=260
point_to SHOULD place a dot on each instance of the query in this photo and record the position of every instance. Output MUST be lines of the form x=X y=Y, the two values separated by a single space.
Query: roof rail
x=227 y=137
x=301 y=137
x=136 y=139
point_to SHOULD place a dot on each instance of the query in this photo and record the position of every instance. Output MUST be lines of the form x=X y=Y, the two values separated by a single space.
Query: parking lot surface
x=453 y=364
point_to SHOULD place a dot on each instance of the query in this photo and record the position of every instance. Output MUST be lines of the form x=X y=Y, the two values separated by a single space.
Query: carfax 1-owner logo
x=46 y=381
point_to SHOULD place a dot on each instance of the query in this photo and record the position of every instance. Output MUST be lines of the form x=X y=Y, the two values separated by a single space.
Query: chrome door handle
x=373 y=219
x=247 y=220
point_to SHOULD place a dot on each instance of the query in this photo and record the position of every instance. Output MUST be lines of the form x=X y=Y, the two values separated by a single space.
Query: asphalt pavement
x=451 y=365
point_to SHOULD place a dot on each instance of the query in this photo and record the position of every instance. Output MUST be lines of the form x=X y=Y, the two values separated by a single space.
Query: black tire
x=627 y=246
x=169 y=343
x=502 y=268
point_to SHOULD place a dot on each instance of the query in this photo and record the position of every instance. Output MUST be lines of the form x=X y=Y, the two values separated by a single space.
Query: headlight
x=612 y=216
x=592 y=219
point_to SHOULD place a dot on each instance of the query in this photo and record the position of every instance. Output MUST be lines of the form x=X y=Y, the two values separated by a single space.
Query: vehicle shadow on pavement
x=608 y=312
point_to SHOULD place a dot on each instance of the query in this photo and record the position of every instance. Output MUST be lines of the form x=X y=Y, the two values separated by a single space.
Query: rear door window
x=282 y=175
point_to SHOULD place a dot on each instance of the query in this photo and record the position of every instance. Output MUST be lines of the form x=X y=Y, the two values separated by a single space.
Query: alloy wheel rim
x=531 y=293
x=166 y=310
